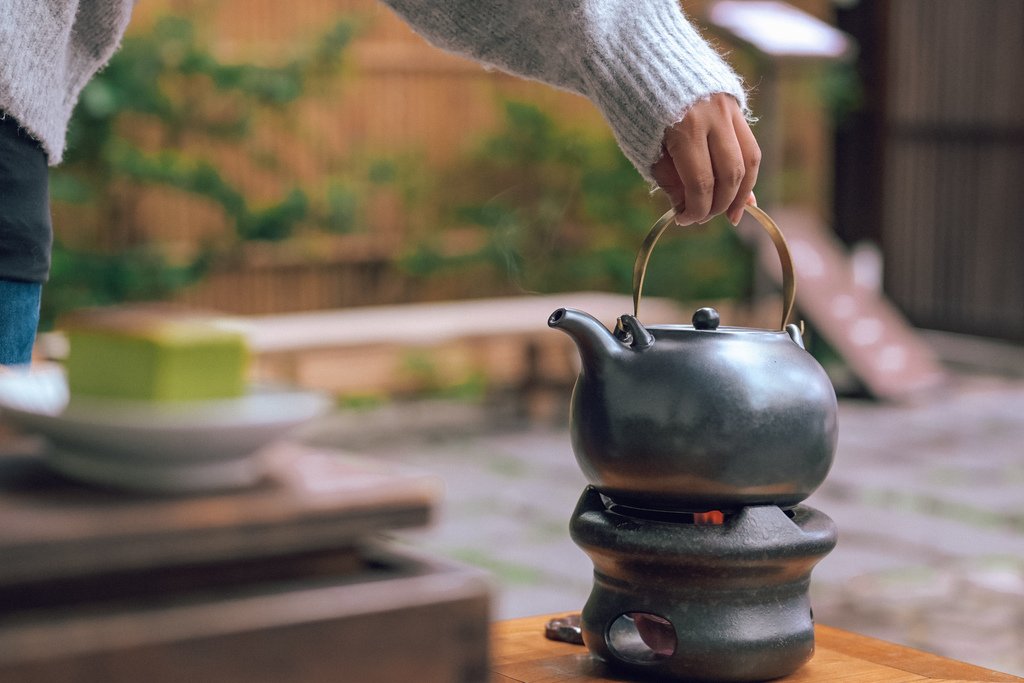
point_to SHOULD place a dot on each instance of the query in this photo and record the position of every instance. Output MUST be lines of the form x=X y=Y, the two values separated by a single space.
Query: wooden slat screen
x=398 y=96
x=953 y=203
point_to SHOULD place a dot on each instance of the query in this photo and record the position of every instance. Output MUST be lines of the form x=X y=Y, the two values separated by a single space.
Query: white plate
x=186 y=446
x=149 y=477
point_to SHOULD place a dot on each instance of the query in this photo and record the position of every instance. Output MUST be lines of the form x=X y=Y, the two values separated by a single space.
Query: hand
x=709 y=162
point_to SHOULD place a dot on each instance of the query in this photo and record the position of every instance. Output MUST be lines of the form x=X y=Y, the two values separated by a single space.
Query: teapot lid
x=629 y=330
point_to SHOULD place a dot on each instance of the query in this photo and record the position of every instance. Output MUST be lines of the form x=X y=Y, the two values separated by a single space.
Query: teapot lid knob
x=706 y=319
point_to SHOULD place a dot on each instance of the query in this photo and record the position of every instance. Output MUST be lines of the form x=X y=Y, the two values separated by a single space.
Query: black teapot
x=700 y=417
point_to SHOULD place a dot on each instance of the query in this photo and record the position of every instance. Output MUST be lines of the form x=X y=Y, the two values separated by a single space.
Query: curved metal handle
x=788 y=275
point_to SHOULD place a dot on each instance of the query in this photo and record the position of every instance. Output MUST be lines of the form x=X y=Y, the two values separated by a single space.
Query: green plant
x=168 y=80
x=422 y=373
x=80 y=278
x=558 y=210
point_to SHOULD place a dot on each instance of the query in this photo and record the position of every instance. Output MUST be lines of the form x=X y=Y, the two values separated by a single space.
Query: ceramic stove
x=701 y=596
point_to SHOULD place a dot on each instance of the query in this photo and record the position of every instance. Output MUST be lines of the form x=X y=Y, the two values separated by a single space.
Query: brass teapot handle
x=788 y=276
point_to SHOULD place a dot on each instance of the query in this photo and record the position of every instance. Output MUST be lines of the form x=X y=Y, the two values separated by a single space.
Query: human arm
x=662 y=89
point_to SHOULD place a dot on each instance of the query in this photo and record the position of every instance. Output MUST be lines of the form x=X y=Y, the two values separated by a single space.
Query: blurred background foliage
x=169 y=78
x=552 y=209
x=532 y=205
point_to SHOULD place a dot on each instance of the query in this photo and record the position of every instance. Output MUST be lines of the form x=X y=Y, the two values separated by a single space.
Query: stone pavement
x=929 y=500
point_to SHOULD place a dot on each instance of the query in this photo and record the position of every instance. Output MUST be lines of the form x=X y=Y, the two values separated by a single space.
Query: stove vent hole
x=641 y=638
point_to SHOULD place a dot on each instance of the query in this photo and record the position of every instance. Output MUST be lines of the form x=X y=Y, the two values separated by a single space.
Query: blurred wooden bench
x=413 y=349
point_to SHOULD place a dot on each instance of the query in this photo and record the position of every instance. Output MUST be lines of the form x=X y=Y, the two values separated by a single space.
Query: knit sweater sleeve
x=639 y=61
x=49 y=51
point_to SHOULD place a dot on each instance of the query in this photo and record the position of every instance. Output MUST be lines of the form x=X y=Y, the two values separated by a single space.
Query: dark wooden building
x=932 y=167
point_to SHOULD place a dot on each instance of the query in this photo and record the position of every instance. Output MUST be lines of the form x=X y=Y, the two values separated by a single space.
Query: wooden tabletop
x=521 y=654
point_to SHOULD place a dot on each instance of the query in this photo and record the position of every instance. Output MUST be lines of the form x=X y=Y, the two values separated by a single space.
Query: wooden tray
x=397 y=617
x=315 y=499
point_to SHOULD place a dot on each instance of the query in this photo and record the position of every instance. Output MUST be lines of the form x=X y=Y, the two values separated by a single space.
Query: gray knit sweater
x=639 y=61
x=49 y=49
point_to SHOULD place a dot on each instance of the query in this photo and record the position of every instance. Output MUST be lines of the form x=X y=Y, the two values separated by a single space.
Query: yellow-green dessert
x=155 y=356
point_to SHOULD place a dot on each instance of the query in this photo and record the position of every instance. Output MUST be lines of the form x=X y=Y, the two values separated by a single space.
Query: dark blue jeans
x=19 y=316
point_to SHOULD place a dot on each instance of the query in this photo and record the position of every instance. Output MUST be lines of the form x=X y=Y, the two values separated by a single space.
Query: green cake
x=145 y=355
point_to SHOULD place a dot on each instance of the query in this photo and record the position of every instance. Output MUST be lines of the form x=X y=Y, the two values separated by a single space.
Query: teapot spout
x=595 y=342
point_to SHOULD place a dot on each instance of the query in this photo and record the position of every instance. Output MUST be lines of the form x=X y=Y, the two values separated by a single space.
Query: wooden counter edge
x=522 y=640
x=904 y=658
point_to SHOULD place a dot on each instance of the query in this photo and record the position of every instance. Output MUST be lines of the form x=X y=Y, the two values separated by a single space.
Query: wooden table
x=288 y=580
x=521 y=654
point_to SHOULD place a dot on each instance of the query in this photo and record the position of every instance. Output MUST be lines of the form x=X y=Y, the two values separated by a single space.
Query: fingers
x=709 y=162
x=751 y=158
x=688 y=148
x=664 y=172
x=730 y=171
